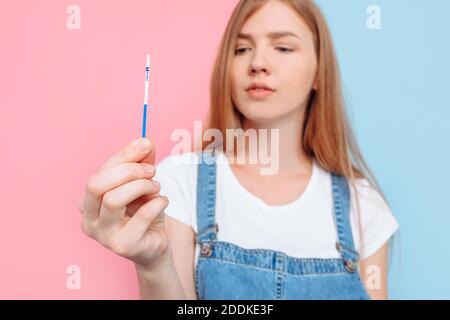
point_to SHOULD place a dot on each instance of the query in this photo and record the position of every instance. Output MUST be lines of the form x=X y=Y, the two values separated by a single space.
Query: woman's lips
x=259 y=94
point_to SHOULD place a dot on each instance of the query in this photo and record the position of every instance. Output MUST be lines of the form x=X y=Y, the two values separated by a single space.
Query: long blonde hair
x=327 y=135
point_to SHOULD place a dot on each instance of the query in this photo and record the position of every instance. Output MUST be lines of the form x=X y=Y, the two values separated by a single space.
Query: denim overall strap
x=206 y=199
x=345 y=245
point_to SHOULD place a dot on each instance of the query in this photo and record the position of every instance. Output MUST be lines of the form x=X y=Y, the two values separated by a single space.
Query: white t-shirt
x=304 y=228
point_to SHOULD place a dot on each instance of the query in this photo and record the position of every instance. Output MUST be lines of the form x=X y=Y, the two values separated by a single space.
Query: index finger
x=136 y=151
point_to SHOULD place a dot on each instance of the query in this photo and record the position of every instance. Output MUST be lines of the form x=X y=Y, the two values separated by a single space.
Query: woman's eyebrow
x=271 y=35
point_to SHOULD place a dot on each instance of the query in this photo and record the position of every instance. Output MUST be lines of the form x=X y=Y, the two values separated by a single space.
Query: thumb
x=150 y=157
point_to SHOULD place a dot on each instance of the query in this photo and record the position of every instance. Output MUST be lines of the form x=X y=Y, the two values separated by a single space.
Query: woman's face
x=286 y=64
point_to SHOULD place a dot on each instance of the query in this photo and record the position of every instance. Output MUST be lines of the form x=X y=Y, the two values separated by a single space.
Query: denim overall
x=225 y=271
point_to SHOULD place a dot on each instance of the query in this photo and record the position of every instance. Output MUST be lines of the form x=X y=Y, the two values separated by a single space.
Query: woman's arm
x=160 y=281
x=172 y=277
x=374 y=274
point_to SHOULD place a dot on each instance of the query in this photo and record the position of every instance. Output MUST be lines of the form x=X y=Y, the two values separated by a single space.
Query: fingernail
x=156 y=184
x=144 y=144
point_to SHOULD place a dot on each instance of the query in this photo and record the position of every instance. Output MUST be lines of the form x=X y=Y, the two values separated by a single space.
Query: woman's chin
x=263 y=114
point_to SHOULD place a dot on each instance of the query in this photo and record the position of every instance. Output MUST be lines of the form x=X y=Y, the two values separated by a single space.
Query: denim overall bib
x=225 y=271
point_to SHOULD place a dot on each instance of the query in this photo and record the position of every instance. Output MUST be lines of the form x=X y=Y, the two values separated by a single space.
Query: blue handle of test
x=144 y=121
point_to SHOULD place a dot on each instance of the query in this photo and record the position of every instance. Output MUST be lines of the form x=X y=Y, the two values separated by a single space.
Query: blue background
x=395 y=83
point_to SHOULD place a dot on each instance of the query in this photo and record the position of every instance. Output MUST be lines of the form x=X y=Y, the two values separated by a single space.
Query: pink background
x=69 y=99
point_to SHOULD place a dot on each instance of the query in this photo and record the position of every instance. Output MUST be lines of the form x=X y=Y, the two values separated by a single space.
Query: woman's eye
x=284 y=50
x=238 y=51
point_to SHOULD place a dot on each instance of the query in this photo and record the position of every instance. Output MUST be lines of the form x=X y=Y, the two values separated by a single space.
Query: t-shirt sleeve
x=177 y=177
x=378 y=223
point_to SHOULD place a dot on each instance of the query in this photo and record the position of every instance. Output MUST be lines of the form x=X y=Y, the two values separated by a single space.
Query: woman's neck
x=285 y=148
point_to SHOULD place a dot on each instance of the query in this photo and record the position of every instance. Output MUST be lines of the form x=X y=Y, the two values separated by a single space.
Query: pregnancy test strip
x=147 y=77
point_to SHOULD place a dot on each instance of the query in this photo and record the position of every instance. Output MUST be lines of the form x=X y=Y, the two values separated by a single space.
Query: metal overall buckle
x=206 y=248
x=350 y=265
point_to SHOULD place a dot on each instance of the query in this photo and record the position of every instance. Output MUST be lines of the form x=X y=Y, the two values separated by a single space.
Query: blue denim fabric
x=226 y=271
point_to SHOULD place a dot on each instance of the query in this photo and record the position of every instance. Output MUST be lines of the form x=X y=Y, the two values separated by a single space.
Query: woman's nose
x=255 y=70
x=258 y=63
x=258 y=66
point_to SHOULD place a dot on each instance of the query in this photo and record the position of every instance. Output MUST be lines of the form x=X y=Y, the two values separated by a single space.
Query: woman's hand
x=122 y=208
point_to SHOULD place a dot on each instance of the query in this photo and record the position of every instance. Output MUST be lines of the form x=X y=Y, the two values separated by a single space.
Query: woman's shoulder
x=371 y=200
x=369 y=195
x=178 y=168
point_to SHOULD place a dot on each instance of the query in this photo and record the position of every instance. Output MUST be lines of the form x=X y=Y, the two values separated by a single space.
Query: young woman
x=317 y=228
